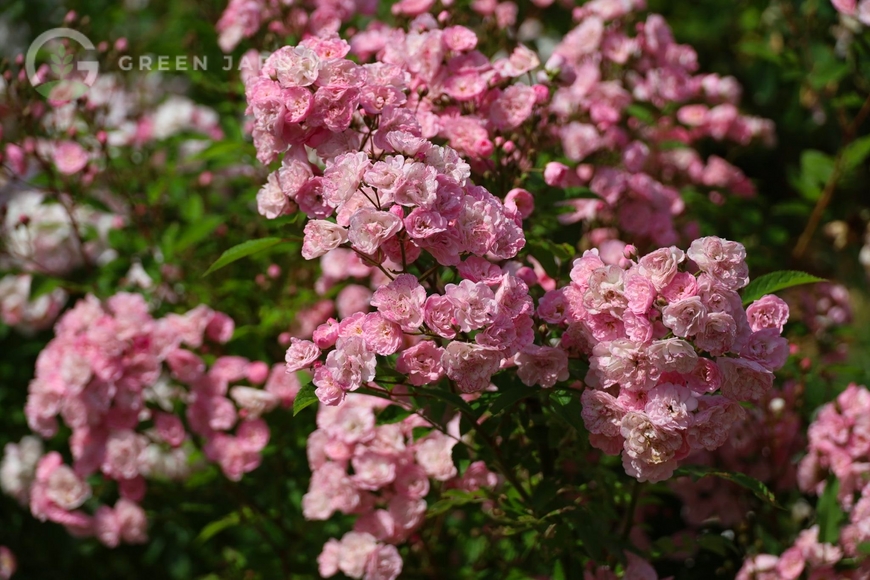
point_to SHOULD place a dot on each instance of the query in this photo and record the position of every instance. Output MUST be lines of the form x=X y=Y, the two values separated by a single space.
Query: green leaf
x=197 y=232
x=566 y=407
x=856 y=152
x=216 y=527
x=447 y=397
x=304 y=398
x=641 y=113
x=241 y=251
x=392 y=414
x=829 y=512
x=774 y=282
x=756 y=487
x=452 y=498
x=41 y=285
x=509 y=396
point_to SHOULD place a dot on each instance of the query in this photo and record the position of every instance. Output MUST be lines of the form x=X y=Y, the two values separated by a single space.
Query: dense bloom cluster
x=244 y=18
x=391 y=192
x=821 y=307
x=622 y=113
x=761 y=444
x=114 y=374
x=673 y=354
x=40 y=237
x=639 y=100
x=839 y=445
x=390 y=479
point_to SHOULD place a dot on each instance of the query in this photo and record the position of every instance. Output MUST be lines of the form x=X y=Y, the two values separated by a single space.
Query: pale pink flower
x=300 y=354
x=369 y=228
x=422 y=363
x=321 y=236
x=767 y=312
x=69 y=157
x=401 y=301
x=744 y=380
x=471 y=366
x=542 y=365
x=723 y=260
x=686 y=317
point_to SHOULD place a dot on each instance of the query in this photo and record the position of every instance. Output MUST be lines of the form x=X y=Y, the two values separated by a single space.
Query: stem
x=831 y=185
x=632 y=506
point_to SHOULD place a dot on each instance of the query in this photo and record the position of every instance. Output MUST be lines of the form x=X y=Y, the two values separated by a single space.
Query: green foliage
x=774 y=282
x=756 y=487
x=242 y=251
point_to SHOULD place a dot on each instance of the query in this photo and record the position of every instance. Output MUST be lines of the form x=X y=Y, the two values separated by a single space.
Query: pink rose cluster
x=431 y=336
x=806 y=556
x=673 y=354
x=42 y=237
x=244 y=18
x=762 y=445
x=603 y=78
x=114 y=374
x=839 y=445
x=390 y=479
x=391 y=192
x=479 y=105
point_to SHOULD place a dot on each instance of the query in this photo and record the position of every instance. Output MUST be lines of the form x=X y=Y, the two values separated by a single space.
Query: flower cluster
x=858 y=9
x=244 y=18
x=807 y=554
x=762 y=445
x=839 y=443
x=629 y=111
x=114 y=374
x=673 y=354
x=40 y=237
x=388 y=486
x=624 y=112
x=391 y=192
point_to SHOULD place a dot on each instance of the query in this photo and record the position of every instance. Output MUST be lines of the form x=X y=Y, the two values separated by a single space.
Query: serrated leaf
x=758 y=489
x=774 y=282
x=241 y=251
x=304 y=398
